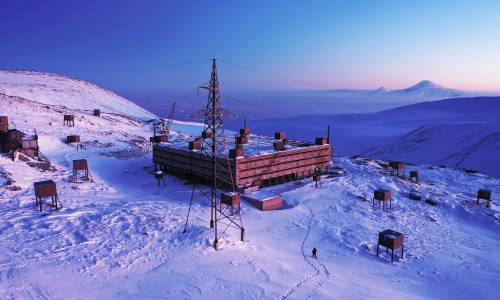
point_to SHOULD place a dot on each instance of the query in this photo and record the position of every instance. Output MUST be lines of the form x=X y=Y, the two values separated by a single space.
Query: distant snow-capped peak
x=378 y=91
x=428 y=89
x=426 y=84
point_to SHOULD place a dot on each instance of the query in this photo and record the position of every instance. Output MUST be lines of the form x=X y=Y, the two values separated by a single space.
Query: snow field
x=120 y=238
x=59 y=90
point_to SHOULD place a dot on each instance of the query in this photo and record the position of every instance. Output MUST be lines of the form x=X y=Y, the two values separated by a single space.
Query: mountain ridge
x=57 y=89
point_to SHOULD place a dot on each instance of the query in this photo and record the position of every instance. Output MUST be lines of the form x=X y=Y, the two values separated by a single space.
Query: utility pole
x=214 y=146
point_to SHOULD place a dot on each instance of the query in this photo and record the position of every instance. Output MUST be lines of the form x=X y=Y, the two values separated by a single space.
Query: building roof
x=257 y=144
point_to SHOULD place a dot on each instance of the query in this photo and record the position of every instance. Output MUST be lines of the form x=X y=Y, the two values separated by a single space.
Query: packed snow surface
x=55 y=89
x=121 y=236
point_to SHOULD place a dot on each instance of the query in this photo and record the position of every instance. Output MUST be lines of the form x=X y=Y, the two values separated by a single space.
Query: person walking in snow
x=314 y=252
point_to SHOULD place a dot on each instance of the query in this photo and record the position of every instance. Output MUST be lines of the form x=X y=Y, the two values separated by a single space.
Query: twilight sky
x=131 y=45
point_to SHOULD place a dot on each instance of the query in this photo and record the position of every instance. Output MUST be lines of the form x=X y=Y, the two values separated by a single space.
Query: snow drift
x=55 y=89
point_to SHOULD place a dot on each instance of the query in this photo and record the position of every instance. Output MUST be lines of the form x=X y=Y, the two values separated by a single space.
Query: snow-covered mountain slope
x=460 y=133
x=110 y=134
x=470 y=146
x=121 y=237
x=479 y=109
x=427 y=89
x=461 y=122
x=54 y=89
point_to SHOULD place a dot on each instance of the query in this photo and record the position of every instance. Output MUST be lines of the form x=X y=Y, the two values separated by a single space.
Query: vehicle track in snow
x=309 y=261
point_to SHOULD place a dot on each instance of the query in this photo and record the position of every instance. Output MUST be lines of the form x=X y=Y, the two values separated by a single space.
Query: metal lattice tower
x=222 y=216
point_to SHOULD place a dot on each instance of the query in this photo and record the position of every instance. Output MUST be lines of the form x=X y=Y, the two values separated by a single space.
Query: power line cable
x=275 y=75
x=232 y=98
x=134 y=68
x=172 y=65
x=266 y=109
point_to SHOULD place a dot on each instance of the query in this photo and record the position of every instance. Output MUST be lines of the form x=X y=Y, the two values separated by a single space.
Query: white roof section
x=257 y=145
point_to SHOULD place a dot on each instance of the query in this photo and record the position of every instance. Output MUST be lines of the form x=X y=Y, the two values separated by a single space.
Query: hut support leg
x=242 y=234
x=378 y=245
x=392 y=256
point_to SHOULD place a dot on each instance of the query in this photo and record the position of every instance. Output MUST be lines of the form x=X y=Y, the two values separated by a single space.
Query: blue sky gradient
x=338 y=44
